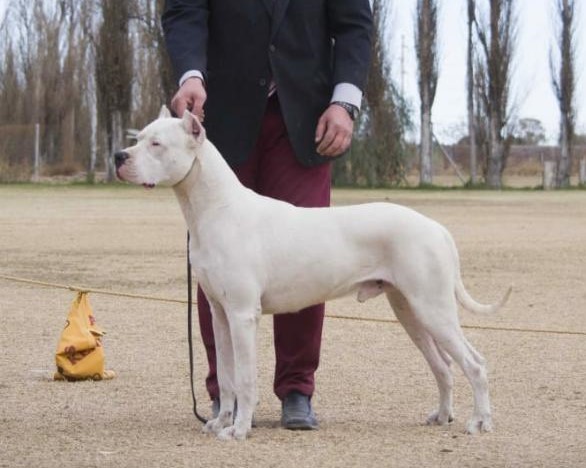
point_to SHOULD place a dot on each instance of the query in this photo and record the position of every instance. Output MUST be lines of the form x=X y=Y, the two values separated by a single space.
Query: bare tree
x=427 y=59
x=384 y=122
x=114 y=75
x=10 y=87
x=68 y=66
x=158 y=85
x=88 y=23
x=43 y=44
x=564 y=85
x=69 y=82
x=471 y=93
x=64 y=60
x=377 y=155
x=497 y=40
x=168 y=81
x=481 y=121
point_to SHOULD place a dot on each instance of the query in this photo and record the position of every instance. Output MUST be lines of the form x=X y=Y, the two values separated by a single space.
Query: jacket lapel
x=279 y=9
x=269 y=6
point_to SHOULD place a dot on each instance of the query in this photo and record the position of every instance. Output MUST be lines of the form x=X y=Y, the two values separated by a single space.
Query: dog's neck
x=210 y=184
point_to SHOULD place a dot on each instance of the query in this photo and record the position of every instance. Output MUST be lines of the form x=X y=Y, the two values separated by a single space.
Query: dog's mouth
x=148 y=186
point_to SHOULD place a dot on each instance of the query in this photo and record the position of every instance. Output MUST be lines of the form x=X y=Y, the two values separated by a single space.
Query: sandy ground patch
x=374 y=389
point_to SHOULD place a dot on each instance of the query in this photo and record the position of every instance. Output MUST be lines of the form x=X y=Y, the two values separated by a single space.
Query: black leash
x=189 y=333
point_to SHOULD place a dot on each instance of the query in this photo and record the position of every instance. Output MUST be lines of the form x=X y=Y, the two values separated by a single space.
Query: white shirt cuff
x=347 y=92
x=190 y=74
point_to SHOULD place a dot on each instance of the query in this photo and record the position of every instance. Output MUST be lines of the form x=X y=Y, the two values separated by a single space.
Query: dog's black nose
x=119 y=158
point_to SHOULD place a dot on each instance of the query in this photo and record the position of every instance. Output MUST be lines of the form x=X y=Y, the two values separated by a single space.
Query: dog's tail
x=463 y=297
x=468 y=302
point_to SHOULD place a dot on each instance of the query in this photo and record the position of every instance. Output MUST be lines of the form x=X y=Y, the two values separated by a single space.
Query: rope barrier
x=334 y=316
x=470 y=327
x=91 y=290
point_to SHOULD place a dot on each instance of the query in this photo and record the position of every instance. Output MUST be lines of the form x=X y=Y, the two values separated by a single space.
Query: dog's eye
x=155 y=143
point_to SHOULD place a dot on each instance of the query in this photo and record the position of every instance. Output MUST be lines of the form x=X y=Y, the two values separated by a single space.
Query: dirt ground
x=373 y=388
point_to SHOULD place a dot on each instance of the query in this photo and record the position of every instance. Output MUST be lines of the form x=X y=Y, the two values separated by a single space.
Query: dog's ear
x=164 y=113
x=192 y=125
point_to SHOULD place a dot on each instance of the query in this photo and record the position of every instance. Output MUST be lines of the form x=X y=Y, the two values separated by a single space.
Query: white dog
x=254 y=255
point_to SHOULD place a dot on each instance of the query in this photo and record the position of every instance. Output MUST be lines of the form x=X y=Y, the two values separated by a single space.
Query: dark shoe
x=216 y=410
x=297 y=413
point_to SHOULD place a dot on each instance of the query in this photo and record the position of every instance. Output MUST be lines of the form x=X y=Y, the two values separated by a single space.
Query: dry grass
x=374 y=389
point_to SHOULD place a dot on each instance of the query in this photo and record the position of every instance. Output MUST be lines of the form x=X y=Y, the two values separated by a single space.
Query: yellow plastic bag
x=80 y=355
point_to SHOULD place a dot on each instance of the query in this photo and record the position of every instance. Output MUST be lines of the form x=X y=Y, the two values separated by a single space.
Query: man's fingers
x=191 y=96
x=178 y=106
x=336 y=141
x=344 y=145
x=340 y=146
x=327 y=139
x=321 y=128
x=337 y=146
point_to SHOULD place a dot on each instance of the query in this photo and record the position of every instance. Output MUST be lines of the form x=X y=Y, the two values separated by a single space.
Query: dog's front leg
x=224 y=368
x=243 y=327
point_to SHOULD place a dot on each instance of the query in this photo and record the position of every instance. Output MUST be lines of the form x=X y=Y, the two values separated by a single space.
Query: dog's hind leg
x=438 y=361
x=224 y=368
x=447 y=334
x=474 y=368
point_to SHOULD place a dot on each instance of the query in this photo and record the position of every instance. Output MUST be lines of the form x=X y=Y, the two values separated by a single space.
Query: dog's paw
x=439 y=418
x=479 y=424
x=213 y=426
x=232 y=433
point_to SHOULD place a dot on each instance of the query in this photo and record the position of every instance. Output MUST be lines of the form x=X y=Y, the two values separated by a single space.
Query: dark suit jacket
x=305 y=46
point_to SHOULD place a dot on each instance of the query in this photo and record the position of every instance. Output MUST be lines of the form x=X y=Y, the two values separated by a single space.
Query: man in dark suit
x=281 y=84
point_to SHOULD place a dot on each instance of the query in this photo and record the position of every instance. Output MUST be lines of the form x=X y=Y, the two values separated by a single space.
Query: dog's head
x=164 y=151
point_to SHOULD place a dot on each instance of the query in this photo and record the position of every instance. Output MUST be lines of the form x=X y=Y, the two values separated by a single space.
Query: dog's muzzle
x=120 y=158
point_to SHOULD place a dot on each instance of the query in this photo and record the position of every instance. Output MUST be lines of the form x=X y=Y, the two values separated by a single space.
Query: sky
x=532 y=91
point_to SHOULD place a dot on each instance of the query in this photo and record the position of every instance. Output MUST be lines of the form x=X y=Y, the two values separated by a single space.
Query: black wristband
x=350 y=108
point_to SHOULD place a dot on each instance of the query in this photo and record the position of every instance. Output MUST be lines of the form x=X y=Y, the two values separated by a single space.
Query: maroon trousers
x=273 y=170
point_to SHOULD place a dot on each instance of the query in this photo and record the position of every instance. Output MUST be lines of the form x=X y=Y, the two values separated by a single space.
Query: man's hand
x=192 y=96
x=334 y=131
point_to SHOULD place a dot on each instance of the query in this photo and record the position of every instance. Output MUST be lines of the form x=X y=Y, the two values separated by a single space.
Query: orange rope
x=334 y=316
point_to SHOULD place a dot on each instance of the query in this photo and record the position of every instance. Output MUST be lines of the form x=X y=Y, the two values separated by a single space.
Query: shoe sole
x=300 y=426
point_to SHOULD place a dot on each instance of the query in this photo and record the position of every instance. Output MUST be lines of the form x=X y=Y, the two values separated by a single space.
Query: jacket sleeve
x=185 y=26
x=350 y=23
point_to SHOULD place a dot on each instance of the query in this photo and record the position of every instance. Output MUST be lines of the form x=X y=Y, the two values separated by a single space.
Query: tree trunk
x=564 y=164
x=471 y=114
x=549 y=175
x=426 y=148
x=472 y=142
x=498 y=40
x=496 y=155
x=114 y=75
x=68 y=138
x=564 y=84
x=37 y=156
x=115 y=144
x=426 y=44
x=93 y=134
